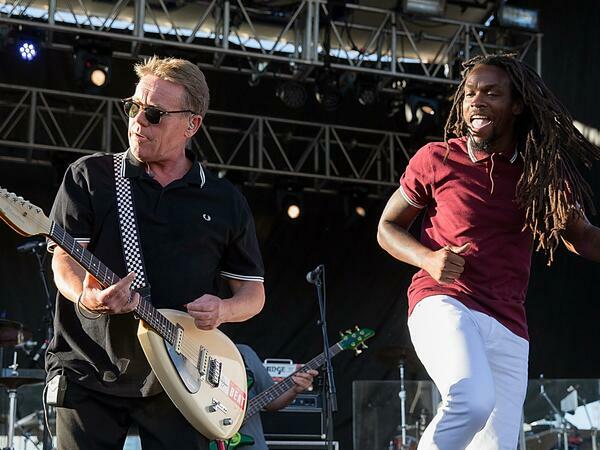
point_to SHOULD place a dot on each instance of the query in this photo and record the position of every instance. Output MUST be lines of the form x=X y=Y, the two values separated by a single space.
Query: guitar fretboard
x=106 y=278
x=264 y=398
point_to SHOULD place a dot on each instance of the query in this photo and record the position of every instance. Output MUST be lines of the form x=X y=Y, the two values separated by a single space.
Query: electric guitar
x=351 y=340
x=202 y=371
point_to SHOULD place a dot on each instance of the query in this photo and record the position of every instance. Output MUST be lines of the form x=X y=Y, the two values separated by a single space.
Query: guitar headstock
x=22 y=216
x=355 y=339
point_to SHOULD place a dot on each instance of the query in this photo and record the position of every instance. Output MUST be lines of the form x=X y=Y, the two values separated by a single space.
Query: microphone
x=31 y=246
x=313 y=275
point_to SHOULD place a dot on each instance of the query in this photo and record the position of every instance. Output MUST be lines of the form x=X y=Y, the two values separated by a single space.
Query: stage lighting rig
x=28 y=50
x=92 y=65
x=417 y=109
x=366 y=93
x=327 y=91
x=289 y=200
x=27 y=43
x=292 y=94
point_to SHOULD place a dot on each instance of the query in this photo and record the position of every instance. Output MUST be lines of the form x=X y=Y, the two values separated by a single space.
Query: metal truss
x=291 y=41
x=39 y=125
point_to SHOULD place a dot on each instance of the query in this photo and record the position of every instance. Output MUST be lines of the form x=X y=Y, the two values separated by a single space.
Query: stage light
x=416 y=108
x=425 y=7
x=292 y=94
x=92 y=65
x=512 y=16
x=293 y=211
x=289 y=199
x=291 y=204
x=355 y=203
x=28 y=50
x=327 y=91
x=366 y=94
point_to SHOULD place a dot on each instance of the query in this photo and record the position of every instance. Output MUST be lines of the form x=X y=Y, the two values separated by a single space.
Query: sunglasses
x=152 y=113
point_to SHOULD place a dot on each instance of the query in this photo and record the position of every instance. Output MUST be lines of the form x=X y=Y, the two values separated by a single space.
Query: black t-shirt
x=191 y=231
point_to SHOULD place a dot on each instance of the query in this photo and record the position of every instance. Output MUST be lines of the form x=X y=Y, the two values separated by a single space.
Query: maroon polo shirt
x=471 y=198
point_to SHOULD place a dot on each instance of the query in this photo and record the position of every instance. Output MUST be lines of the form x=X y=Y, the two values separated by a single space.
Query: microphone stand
x=49 y=322
x=330 y=392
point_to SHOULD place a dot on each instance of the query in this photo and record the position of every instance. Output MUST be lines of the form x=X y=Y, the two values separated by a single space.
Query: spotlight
x=289 y=200
x=355 y=203
x=366 y=94
x=291 y=205
x=417 y=108
x=293 y=211
x=99 y=76
x=28 y=50
x=292 y=94
x=327 y=91
x=92 y=65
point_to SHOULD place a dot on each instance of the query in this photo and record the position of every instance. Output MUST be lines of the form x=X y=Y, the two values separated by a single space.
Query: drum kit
x=15 y=340
x=570 y=425
x=412 y=422
x=14 y=337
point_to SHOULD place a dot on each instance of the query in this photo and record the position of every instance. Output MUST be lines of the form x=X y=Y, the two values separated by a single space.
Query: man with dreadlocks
x=509 y=178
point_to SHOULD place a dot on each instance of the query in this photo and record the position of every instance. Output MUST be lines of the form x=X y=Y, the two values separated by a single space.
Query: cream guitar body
x=210 y=393
x=201 y=371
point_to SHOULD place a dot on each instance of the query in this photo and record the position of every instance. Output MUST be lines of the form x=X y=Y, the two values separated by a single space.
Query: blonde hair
x=182 y=72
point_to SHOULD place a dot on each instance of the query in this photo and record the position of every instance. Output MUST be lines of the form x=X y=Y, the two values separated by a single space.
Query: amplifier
x=291 y=423
x=301 y=445
x=305 y=401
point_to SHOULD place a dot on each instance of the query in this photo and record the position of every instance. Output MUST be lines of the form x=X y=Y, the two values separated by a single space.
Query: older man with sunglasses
x=193 y=228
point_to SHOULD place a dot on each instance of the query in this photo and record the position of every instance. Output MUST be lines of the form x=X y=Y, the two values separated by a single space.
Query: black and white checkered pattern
x=128 y=224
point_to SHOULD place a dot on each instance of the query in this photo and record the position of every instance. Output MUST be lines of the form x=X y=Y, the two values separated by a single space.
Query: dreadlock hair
x=551 y=189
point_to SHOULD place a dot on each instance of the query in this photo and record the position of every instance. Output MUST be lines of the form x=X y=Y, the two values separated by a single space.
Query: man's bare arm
x=210 y=311
x=73 y=281
x=582 y=238
x=444 y=265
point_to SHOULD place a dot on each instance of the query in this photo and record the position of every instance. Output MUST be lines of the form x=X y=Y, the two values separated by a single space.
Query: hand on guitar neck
x=95 y=298
x=302 y=382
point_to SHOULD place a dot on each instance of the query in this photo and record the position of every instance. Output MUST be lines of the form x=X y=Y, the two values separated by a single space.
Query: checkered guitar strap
x=130 y=238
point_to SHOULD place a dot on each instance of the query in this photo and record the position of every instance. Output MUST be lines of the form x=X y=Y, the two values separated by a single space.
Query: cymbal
x=13 y=333
x=13 y=379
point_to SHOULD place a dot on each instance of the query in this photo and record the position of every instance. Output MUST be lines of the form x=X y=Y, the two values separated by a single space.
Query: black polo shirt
x=192 y=231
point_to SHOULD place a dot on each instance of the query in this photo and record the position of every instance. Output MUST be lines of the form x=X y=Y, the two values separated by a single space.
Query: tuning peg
x=348 y=331
x=357 y=351
x=356 y=328
x=341 y=334
x=364 y=345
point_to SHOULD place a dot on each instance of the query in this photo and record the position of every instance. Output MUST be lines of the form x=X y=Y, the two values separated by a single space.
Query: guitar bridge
x=214 y=372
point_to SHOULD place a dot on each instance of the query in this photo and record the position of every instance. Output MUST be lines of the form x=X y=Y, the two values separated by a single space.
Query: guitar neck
x=264 y=398
x=106 y=278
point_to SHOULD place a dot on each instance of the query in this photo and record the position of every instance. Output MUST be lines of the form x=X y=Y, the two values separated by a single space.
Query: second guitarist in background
x=193 y=227
x=259 y=381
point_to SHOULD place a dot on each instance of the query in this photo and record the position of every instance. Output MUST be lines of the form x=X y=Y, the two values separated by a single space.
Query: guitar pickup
x=178 y=339
x=203 y=361
x=214 y=372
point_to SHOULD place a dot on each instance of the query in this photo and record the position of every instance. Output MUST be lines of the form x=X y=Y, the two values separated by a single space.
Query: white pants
x=480 y=369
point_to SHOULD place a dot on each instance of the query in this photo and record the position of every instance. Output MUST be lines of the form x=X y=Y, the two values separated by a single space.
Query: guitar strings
x=190 y=351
